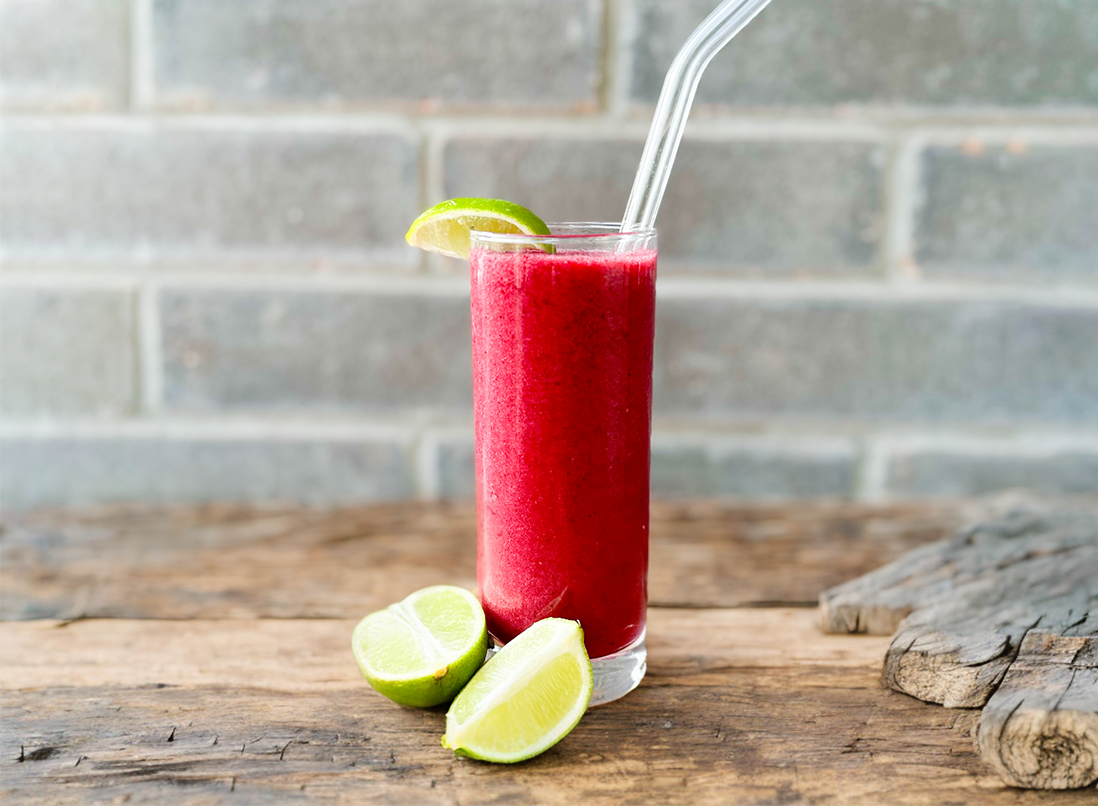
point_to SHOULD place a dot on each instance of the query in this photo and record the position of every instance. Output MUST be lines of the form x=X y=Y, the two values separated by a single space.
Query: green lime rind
x=421 y=651
x=445 y=227
x=527 y=698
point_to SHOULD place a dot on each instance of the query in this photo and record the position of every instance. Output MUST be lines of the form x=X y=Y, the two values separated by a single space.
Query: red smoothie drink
x=562 y=375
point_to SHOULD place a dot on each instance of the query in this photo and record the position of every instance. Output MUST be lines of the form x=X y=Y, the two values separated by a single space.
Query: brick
x=316 y=351
x=944 y=472
x=202 y=195
x=747 y=207
x=876 y=360
x=66 y=352
x=71 y=471
x=429 y=54
x=64 y=55
x=960 y=54
x=1008 y=211
x=759 y=469
x=456 y=469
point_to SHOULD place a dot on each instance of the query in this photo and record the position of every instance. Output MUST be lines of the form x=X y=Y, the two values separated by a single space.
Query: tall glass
x=563 y=329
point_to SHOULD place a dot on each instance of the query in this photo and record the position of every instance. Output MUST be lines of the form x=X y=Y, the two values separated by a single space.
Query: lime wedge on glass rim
x=420 y=651
x=527 y=698
x=445 y=227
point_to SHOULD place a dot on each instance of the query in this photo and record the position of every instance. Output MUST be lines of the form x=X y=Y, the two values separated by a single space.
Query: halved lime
x=526 y=698
x=422 y=650
x=445 y=227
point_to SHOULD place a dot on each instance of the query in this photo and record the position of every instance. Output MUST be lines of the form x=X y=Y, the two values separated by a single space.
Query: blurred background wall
x=879 y=249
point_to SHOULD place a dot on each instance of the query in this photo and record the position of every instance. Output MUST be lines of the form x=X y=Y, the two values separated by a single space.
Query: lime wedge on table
x=422 y=650
x=526 y=698
x=445 y=227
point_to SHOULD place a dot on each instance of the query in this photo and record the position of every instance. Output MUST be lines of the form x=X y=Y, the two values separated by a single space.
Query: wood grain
x=300 y=654
x=246 y=562
x=200 y=656
x=271 y=712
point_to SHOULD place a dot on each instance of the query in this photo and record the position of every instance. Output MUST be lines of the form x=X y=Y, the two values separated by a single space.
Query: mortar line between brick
x=885 y=291
x=142 y=88
x=423 y=186
x=147 y=121
x=786 y=125
x=817 y=442
x=67 y=280
x=616 y=20
x=252 y=428
x=136 y=362
x=427 y=457
x=1025 y=443
x=882 y=259
x=672 y=288
x=858 y=481
x=150 y=350
x=748 y=128
x=434 y=168
x=396 y=284
x=903 y=202
x=822 y=437
x=872 y=480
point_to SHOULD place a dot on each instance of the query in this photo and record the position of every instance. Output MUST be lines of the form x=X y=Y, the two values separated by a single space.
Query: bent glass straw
x=727 y=20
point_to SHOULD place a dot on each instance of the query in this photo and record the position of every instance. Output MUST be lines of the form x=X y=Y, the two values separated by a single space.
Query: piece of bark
x=1001 y=614
x=877 y=602
x=957 y=650
x=960 y=607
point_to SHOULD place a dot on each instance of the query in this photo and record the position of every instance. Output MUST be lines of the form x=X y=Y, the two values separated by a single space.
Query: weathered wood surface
x=1040 y=727
x=964 y=609
x=200 y=656
x=240 y=562
x=272 y=712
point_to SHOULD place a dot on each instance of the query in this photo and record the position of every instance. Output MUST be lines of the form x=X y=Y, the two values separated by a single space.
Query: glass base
x=615 y=675
x=618 y=674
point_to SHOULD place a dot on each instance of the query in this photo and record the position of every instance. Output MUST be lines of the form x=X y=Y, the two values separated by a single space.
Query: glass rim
x=602 y=230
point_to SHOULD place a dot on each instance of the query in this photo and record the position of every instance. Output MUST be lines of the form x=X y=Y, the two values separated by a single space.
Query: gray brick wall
x=1008 y=211
x=957 y=56
x=67 y=352
x=175 y=194
x=943 y=469
x=763 y=208
x=64 y=55
x=125 y=468
x=878 y=251
x=877 y=360
x=419 y=54
x=315 y=352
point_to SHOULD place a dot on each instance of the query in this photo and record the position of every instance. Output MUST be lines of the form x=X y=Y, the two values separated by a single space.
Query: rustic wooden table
x=201 y=655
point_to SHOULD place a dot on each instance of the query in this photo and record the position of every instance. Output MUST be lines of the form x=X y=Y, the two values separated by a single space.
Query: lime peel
x=445 y=227
x=421 y=651
x=526 y=699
